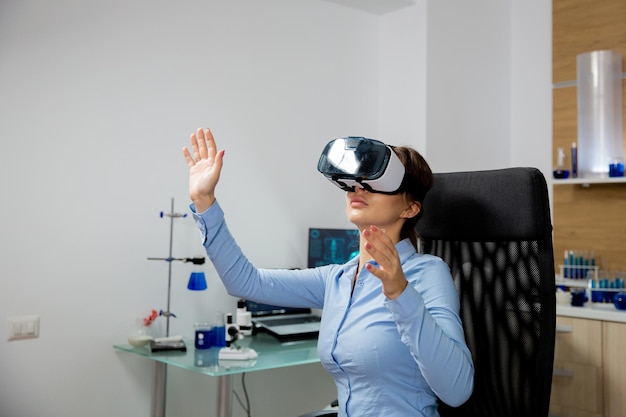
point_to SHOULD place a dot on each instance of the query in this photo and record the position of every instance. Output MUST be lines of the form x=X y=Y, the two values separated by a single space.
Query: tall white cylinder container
x=599 y=81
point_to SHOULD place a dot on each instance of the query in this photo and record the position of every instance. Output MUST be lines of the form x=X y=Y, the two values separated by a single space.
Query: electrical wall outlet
x=23 y=327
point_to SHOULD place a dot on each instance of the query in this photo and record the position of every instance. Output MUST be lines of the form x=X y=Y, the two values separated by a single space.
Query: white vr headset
x=360 y=162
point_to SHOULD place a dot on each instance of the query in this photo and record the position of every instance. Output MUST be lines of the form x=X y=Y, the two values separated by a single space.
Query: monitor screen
x=332 y=246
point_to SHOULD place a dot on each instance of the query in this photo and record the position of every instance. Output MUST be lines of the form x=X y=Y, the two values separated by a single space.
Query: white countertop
x=592 y=311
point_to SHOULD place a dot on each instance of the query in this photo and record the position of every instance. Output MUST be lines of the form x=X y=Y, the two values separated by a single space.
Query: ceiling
x=379 y=7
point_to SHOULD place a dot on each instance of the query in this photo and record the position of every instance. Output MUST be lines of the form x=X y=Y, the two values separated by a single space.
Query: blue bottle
x=574 y=160
x=219 y=331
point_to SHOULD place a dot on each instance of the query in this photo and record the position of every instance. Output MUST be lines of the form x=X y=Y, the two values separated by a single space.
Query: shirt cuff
x=406 y=305
x=207 y=220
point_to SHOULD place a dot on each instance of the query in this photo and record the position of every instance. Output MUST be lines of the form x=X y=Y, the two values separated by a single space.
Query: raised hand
x=205 y=166
x=389 y=270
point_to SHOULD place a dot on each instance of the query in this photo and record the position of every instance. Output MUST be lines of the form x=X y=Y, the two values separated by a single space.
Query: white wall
x=468 y=87
x=469 y=93
x=403 y=77
x=488 y=85
x=531 y=85
x=96 y=100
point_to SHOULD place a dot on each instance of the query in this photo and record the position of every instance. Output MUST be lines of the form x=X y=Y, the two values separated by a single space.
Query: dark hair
x=417 y=181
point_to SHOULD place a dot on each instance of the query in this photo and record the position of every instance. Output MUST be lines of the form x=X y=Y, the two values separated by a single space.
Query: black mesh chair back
x=493 y=229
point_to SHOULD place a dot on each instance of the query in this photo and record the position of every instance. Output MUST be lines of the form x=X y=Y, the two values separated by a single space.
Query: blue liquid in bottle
x=219 y=331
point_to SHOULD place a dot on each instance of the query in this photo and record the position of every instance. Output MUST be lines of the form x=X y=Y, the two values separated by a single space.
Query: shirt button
x=360 y=283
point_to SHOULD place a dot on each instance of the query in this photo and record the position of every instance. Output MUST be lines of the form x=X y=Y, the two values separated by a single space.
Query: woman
x=390 y=333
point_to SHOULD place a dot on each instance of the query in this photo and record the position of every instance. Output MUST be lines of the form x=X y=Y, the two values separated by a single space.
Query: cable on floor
x=246 y=407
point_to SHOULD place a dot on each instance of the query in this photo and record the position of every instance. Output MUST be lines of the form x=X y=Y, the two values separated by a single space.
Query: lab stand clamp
x=196 y=284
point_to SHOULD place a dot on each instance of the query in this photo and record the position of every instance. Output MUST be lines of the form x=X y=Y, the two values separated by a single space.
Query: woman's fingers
x=210 y=147
x=389 y=269
x=190 y=161
x=200 y=150
x=202 y=147
x=195 y=146
x=205 y=165
x=379 y=245
x=202 y=144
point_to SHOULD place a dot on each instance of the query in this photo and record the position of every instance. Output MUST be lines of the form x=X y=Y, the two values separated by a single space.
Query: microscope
x=236 y=330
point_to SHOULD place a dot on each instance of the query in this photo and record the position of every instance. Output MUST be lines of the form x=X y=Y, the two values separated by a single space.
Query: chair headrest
x=493 y=205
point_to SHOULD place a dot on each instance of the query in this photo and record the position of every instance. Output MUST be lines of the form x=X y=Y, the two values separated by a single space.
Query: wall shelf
x=575 y=283
x=586 y=182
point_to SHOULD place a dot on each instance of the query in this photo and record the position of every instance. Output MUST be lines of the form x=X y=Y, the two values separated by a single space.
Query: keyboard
x=288 y=321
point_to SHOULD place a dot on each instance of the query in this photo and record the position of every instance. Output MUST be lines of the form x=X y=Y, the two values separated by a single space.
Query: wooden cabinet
x=614 y=354
x=577 y=382
x=589 y=369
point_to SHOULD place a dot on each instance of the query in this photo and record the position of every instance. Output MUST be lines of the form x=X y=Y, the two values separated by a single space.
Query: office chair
x=493 y=229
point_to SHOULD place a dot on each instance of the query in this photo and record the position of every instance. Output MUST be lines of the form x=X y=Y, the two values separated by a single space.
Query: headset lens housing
x=367 y=163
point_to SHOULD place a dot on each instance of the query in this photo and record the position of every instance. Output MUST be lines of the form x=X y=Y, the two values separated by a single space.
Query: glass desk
x=271 y=355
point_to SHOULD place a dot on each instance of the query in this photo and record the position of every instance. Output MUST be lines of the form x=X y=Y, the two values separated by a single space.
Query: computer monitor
x=332 y=246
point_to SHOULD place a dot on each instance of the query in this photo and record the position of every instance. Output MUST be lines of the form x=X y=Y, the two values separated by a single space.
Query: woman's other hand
x=205 y=165
x=389 y=270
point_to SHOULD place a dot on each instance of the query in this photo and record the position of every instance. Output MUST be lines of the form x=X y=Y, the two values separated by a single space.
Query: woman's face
x=388 y=212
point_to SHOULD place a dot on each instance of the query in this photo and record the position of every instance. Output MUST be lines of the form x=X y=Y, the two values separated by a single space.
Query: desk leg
x=159 y=390
x=224 y=396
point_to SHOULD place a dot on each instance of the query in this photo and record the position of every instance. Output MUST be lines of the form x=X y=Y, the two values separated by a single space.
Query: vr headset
x=360 y=162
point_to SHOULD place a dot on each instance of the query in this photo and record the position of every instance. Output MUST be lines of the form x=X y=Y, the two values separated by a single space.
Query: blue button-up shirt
x=388 y=358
